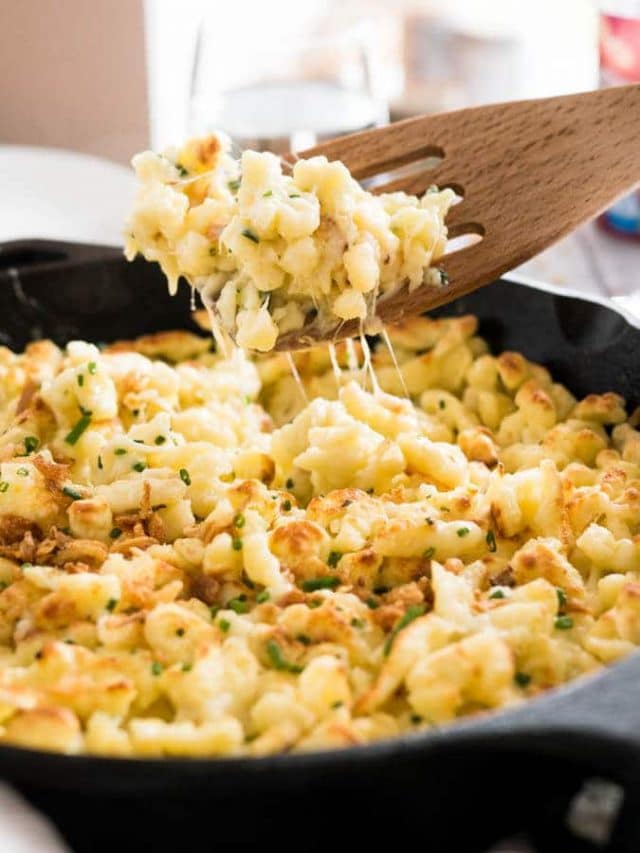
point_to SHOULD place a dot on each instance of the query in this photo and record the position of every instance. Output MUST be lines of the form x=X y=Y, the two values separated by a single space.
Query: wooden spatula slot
x=418 y=169
x=464 y=236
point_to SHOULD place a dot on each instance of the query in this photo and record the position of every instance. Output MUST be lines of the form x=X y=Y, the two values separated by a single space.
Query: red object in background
x=619 y=50
x=620 y=64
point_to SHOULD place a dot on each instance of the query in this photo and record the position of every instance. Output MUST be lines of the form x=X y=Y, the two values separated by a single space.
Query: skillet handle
x=593 y=723
x=36 y=254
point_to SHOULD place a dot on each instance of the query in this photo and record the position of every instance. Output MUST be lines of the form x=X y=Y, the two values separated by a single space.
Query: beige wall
x=72 y=75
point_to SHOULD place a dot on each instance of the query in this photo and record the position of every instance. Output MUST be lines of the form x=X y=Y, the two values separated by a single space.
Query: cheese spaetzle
x=196 y=561
x=272 y=249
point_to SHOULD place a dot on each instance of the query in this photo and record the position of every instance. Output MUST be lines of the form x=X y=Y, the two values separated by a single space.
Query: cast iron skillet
x=455 y=788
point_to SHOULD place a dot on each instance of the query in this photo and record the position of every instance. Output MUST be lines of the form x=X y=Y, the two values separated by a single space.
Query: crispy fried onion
x=22 y=540
x=140 y=529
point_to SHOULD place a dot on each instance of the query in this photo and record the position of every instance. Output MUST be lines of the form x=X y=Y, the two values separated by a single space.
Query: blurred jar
x=620 y=64
x=290 y=95
x=451 y=63
x=461 y=53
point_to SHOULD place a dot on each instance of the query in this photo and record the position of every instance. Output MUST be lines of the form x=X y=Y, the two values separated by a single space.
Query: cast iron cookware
x=456 y=788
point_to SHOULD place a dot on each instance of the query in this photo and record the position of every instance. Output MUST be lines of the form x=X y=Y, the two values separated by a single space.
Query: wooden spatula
x=529 y=173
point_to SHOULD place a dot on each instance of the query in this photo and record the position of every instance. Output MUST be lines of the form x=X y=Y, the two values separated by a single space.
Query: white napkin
x=23 y=829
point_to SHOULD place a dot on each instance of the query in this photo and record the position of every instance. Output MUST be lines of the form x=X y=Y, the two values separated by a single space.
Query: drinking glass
x=287 y=96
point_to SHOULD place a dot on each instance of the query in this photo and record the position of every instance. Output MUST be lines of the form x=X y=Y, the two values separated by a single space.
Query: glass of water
x=286 y=97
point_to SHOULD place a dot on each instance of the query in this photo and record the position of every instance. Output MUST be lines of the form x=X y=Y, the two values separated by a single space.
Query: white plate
x=62 y=195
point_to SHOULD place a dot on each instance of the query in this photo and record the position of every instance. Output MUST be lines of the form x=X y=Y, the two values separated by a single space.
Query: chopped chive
x=491 y=541
x=263 y=596
x=250 y=235
x=315 y=602
x=31 y=443
x=212 y=251
x=372 y=603
x=139 y=466
x=563 y=623
x=156 y=668
x=522 y=679
x=185 y=476
x=239 y=520
x=181 y=170
x=289 y=484
x=234 y=186
x=115 y=532
x=120 y=451
x=80 y=379
x=412 y=612
x=236 y=544
x=429 y=521
x=179 y=632
x=497 y=593
x=267 y=193
x=277 y=660
x=295 y=195
x=238 y=605
x=187 y=667
x=160 y=439
x=224 y=625
x=357 y=623
x=442 y=404
x=22 y=472
x=463 y=531
x=320 y=583
x=304 y=639
x=100 y=465
x=416 y=719
x=111 y=604
x=74 y=434
x=286 y=505
x=336 y=705
x=72 y=493
x=562 y=597
x=334 y=558
x=92 y=367
x=429 y=554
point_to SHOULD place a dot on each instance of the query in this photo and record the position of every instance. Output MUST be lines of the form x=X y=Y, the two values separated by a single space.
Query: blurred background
x=111 y=77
